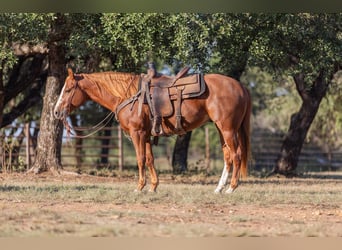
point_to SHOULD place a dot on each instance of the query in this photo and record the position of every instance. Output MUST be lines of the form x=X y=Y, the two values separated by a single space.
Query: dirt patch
x=174 y=211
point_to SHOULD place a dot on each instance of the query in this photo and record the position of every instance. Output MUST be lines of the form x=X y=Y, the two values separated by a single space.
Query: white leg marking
x=229 y=190
x=223 y=180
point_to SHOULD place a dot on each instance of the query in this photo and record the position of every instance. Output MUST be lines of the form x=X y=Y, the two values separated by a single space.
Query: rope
x=96 y=128
x=109 y=116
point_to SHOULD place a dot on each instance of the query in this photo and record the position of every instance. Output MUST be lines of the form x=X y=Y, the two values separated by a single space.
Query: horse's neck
x=111 y=88
x=100 y=95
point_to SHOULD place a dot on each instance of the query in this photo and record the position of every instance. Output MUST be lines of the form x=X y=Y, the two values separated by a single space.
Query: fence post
x=28 y=139
x=120 y=148
x=207 y=149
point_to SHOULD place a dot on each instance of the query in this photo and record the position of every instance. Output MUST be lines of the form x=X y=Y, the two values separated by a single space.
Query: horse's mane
x=119 y=84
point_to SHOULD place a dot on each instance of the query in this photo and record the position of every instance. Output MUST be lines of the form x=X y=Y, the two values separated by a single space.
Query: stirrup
x=179 y=128
x=157 y=128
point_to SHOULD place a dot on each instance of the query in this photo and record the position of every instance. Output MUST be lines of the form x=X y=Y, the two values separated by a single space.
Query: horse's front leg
x=150 y=165
x=139 y=140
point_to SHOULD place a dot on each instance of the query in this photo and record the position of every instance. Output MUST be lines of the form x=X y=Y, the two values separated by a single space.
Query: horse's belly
x=193 y=115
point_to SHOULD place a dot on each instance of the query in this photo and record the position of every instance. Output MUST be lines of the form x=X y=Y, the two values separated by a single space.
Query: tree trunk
x=287 y=160
x=48 y=154
x=180 y=153
x=2 y=93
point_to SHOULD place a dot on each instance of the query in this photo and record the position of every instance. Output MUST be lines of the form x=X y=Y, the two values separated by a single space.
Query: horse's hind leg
x=150 y=165
x=223 y=180
x=225 y=172
x=227 y=164
x=235 y=154
x=232 y=154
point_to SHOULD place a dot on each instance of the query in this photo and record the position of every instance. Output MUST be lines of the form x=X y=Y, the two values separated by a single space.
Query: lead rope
x=96 y=128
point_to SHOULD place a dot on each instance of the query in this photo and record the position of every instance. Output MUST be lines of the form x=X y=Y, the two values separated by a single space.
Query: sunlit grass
x=249 y=192
x=181 y=207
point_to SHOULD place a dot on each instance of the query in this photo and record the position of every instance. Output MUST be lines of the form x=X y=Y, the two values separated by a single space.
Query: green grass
x=260 y=207
x=256 y=193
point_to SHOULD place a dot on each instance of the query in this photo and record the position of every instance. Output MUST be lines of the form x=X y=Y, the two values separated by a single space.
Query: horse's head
x=71 y=96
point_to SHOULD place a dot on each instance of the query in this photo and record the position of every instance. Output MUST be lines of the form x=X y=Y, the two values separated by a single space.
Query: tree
x=307 y=47
x=304 y=46
x=134 y=38
x=48 y=157
x=96 y=41
x=22 y=71
x=21 y=64
x=327 y=125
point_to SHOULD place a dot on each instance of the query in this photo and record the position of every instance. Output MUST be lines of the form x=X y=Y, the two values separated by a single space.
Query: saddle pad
x=187 y=80
x=191 y=85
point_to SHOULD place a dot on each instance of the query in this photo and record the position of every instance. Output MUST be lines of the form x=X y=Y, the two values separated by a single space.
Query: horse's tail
x=244 y=135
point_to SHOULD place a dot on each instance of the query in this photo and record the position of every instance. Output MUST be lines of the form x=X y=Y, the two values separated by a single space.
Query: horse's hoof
x=152 y=191
x=229 y=190
x=218 y=190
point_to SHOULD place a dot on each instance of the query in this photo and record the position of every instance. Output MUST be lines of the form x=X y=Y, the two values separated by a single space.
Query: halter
x=71 y=96
x=96 y=128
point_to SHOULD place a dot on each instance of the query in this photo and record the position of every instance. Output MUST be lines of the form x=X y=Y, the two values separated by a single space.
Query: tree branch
x=29 y=101
x=23 y=74
x=300 y=85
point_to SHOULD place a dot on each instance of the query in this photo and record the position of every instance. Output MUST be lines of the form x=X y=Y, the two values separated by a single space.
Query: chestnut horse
x=225 y=102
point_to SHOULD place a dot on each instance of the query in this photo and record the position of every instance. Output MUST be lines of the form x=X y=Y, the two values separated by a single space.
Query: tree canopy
x=302 y=50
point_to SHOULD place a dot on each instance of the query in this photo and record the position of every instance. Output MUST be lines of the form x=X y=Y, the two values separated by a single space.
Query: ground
x=84 y=205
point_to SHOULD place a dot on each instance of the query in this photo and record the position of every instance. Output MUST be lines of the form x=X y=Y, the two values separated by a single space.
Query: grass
x=94 y=206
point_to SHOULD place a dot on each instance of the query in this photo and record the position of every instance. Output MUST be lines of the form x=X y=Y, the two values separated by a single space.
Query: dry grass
x=183 y=206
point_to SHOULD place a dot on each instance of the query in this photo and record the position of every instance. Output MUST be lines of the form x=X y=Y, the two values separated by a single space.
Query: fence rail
x=18 y=144
x=265 y=150
x=106 y=148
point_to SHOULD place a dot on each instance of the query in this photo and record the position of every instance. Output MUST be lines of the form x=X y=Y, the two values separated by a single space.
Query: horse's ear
x=70 y=73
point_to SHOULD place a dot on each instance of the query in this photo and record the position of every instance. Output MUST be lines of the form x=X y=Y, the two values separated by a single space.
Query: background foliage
x=265 y=51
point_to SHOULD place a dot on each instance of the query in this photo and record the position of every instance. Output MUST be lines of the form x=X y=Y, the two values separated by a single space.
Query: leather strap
x=178 y=107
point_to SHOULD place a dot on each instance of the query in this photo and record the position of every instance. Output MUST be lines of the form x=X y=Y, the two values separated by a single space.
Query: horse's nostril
x=56 y=113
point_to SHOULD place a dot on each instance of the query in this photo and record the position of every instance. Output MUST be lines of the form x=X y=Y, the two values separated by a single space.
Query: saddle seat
x=165 y=81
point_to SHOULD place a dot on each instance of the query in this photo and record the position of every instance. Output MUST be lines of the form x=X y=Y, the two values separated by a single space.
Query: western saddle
x=164 y=95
